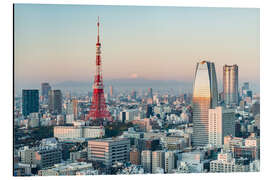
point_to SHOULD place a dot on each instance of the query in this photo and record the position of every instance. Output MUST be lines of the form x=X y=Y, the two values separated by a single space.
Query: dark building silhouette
x=149 y=111
x=30 y=101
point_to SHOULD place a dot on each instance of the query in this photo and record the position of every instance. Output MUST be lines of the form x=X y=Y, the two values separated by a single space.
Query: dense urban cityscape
x=139 y=132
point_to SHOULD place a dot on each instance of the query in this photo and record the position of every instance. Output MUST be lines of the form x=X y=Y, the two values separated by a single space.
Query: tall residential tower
x=205 y=96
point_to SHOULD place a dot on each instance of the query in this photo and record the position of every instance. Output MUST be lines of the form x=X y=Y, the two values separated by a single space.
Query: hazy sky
x=56 y=43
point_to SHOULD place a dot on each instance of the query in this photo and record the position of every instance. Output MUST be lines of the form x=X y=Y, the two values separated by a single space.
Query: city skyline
x=143 y=45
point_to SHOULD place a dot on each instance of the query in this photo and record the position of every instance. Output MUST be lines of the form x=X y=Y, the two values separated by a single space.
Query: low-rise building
x=226 y=163
x=69 y=132
x=66 y=169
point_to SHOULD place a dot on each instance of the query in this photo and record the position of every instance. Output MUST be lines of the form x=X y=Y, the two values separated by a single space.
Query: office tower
x=69 y=108
x=111 y=91
x=133 y=94
x=146 y=160
x=30 y=101
x=45 y=88
x=249 y=94
x=221 y=124
x=158 y=160
x=149 y=111
x=75 y=108
x=98 y=109
x=150 y=93
x=169 y=161
x=204 y=97
x=230 y=84
x=135 y=157
x=245 y=86
x=109 y=150
x=55 y=101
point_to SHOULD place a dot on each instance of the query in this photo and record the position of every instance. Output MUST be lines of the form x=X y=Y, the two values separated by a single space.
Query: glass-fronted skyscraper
x=30 y=101
x=45 y=88
x=55 y=101
x=230 y=84
x=205 y=96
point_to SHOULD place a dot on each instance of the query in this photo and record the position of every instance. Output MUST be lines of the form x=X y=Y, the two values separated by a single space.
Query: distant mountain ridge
x=125 y=82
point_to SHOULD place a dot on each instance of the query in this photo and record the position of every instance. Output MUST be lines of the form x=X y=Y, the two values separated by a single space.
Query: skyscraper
x=45 y=88
x=204 y=97
x=221 y=124
x=150 y=93
x=111 y=91
x=55 y=101
x=75 y=108
x=30 y=101
x=230 y=84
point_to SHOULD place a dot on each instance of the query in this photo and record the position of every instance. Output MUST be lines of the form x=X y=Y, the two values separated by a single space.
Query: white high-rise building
x=157 y=161
x=221 y=123
x=69 y=118
x=146 y=160
x=205 y=97
x=169 y=161
x=34 y=120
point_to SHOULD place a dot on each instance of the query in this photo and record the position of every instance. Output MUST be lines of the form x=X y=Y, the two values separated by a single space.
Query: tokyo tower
x=98 y=113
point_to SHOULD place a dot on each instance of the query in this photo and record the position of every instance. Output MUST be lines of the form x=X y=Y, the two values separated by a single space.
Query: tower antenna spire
x=98 y=30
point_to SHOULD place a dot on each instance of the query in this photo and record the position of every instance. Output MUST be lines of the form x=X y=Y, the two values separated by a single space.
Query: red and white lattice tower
x=98 y=113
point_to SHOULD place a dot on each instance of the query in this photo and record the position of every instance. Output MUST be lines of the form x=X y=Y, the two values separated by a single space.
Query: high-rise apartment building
x=221 y=124
x=30 y=101
x=146 y=160
x=230 y=84
x=158 y=160
x=45 y=88
x=205 y=97
x=169 y=161
x=55 y=101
